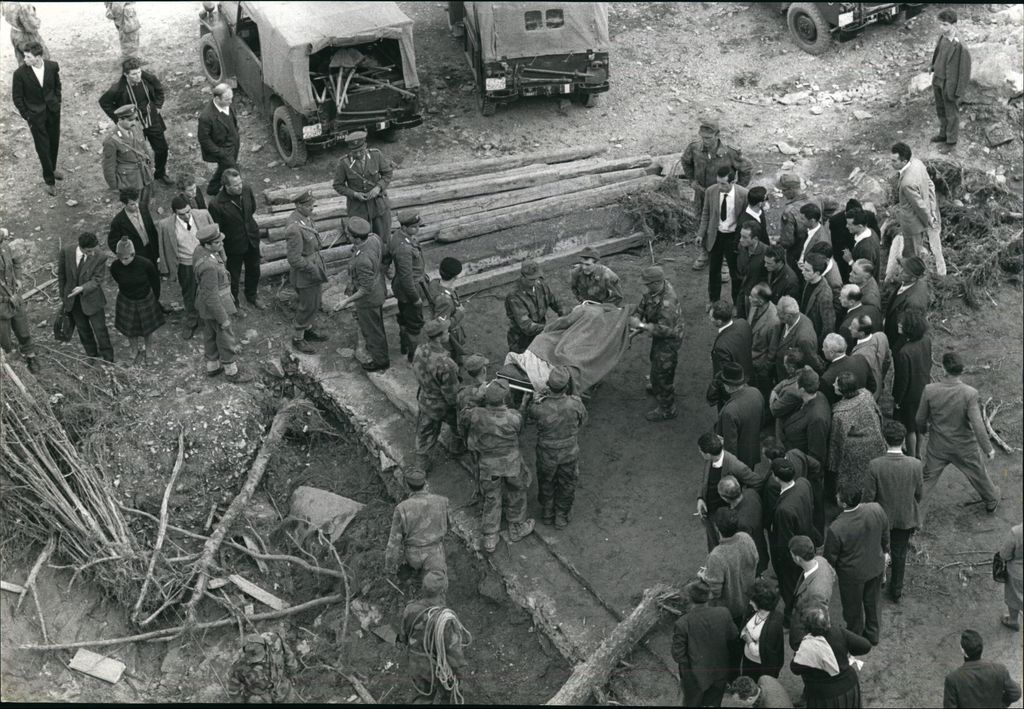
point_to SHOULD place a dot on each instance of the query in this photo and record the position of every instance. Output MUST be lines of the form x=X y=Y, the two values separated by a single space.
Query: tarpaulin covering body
x=503 y=30
x=290 y=32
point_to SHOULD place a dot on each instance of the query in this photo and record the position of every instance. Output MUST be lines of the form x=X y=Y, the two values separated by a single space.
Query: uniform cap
x=355 y=136
x=409 y=219
x=125 y=111
x=732 y=373
x=530 y=268
x=475 y=363
x=495 y=393
x=789 y=179
x=652 y=274
x=559 y=378
x=914 y=265
x=708 y=126
x=305 y=198
x=435 y=327
x=208 y=233
x=590 y=252
x=450 y=267
x=358 y=226
x=415 y=476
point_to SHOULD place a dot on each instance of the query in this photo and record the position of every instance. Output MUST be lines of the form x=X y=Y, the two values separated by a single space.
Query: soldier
x=13 y=315
x=471 y=390
x=438 y=379
x=559 y=417
x=418 y=528
x=127 y=158
x=492 y=432
x=214 y=309
x=362 y=178
x=126 y=20
x=410 y=282
x=593 y=281
x=366 y=289
x=793 y=227
x=658 y=314
x=144 y=91
x=427 y=627
x=262 y=675
x=307 y=271
x=445 y=305
x=527 y=307
x=701 y=160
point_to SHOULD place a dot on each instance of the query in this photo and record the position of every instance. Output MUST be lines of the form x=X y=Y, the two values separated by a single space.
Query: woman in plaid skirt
x=138 y=314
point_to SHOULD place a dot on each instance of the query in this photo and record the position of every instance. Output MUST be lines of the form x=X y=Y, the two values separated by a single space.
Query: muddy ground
x=633 y=522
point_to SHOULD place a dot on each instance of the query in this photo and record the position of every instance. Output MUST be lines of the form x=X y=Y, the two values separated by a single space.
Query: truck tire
x=808 y=28
x=209 y=57
x=587 y=100
x=287 y=129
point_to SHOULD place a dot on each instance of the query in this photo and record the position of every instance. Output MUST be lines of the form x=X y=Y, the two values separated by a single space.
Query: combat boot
x=660 y=414
x=561 y=520
x=520 y=530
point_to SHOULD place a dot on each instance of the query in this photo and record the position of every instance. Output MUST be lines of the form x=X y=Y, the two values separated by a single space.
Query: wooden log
x=593 y=674
x=432 y=173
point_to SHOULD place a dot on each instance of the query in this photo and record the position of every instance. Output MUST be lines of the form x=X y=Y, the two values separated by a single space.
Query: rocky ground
x=671 y=63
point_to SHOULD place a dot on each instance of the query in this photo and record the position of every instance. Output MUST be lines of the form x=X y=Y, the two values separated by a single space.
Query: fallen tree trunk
x=434 y=173
x=591 y=676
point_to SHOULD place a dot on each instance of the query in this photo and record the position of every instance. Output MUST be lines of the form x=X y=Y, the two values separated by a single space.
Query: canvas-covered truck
x=814 y=25
x=519 y=49
x=319 y=70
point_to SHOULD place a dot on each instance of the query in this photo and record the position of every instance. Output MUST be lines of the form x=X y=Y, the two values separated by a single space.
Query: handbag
x=999 y=571
x=63 y=326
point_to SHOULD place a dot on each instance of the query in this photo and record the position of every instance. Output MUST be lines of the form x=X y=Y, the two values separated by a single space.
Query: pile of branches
x=663 y=212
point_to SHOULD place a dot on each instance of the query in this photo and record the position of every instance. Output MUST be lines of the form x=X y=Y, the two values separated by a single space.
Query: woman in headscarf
x=823 y=660
x=856 y=437
x=137 y=315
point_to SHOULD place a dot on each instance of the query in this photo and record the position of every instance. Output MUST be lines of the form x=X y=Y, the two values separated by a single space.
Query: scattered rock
x=992 y=65
x=788 y=165
x=266 y=180
x=862 y=115
x=921 y=82
x=196 y=80
x=997 y=134
x=786 y=149
x=872 y=190
x=817 y=110
x=272 y=164
x=72 y=203
x=795 y=98
x=84 y=148
x=256 y=148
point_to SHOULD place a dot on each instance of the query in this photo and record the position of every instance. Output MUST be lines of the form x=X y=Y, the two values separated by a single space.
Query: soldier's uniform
x=700 y=165
x=418 y=528
x=13 y=315
x=410 y=282
x=213 y=303
x=492 y=432
x=438 y=379
x=360 y=171
x=527 y=308
x=661 y=311
x=126 y=20
x=559 y=417
x=307 y=271
x=418 y=621
x=445 y=305
x=262 y=675
x=600 y=285
x=366 y=274
x=128 y=159
x=471 y=394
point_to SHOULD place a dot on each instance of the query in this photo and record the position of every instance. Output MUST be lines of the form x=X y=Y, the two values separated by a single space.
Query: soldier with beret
x=445 y=305
x=659 y=315
x=215 y=306
x=127 y=157
x=559 y=417
x=701 y=160
x=362 y=177
x=366 y=290
x=438 y=379
x=307 y=271
x=492 y=433
x=527 y=307
x=594 y=281
x=418 y=529
x=410 y=282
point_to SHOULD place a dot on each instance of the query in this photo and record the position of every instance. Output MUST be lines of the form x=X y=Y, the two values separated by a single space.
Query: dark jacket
x=784 y=282
x=912 y=371
x=121 y=225
x=90 y=275
x=761 y=232
x=770 y=644
x=870 y=249
x=805 y=466
x=808 y=428
x=218 y=135
x=792 y=516
x=858 y=366
x=895 y=481
x=750 y=517
x=819 y=688
x=957 y=69
x=856 y=541
x=817 y=305
x=802 y=337
x=238 y=225
x=731 y=465
x=739 y=424
x=871 y=311
x=733 y=344
x=701 y=645
x=914 y=297
x=979 y=683
x=32 y=100
x=118 y=95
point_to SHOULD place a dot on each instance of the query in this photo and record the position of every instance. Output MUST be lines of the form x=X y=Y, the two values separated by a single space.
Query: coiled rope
x=438 y=619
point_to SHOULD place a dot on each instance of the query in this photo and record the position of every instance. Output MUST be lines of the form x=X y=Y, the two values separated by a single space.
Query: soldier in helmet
x=262 y=675
x=445 y=305
x=418 y=528
x=594 y=281
x=527 y=307
x=701 y=160
x=410 y=282
x=362 y=177
x=438 y=379
x=659 y=315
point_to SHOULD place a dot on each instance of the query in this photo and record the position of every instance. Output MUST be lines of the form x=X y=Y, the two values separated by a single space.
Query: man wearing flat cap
x=410 y=282
x=362 y=177
x=127 y=157
x=215 y=306
x=438 y=379
x=307 y=271
x=366 y=290
x=559 y=417
x=594 y=281
x=701 y=160
x=911 y=293
x=418 y=528
x=177 y=235
x=445 y=305
x=527 y=307
x=658 y=314
x=492 y=433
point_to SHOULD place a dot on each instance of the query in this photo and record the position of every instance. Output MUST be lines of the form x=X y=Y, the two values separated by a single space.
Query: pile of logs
x=463 y=200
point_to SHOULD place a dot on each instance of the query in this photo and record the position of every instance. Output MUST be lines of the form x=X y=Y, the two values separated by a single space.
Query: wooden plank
x=12 y=587
x=250 y=544
x=264 y=597
x=98 y=666
x=216 y=583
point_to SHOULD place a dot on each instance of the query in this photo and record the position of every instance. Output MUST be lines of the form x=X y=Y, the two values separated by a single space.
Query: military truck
x=520 y=49
x=815 y=25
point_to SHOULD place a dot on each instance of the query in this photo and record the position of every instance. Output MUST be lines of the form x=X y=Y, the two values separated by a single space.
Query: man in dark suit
x=912 y=293
x=808 y=427
x=857 y=547
x=701 y=645
x=842 y=239
x=852 y=301
x=863 y=275
x=951 y=74
x=218 y=135
x=749 y=514
x=792 y=516
x=794 y=331
x=816 y=303
x=977 y=683
x=804 y=466
x=734 y=343
x=750 y=264
x=144 y=91
x=80 y=273
x=780 y=277
x=834 y=349
x=865 y=242
x=724 y=202
x=234 y=210
x=718 y=463
x=739 y=421
x=37 y=96
x=757 y=202
x=135 y=223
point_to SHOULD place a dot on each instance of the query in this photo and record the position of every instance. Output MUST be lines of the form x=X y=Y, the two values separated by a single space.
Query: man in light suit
x=37 y=96
x=918 y=211
x=724 y=202
x=813 y=587
x=81 y=270
x=178 y=236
